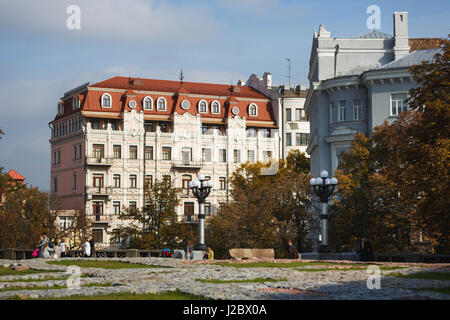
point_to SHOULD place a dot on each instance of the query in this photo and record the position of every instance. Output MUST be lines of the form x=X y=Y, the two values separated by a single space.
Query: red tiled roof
x=174 y=86
x=15 y=175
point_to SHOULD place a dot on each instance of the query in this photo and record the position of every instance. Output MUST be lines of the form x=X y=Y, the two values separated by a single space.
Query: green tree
x=155 y=225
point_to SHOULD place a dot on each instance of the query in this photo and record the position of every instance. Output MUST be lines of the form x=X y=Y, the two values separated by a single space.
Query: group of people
x=189 y=252
x=51 y=249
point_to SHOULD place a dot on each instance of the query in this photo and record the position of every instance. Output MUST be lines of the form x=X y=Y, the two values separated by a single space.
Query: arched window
x=253 y=110
x=148 y=103
x=203 y=106
x=106 y=101
x=215 y=107
x=161 y=104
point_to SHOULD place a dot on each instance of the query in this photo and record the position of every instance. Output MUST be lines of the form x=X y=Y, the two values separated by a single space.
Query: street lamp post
x=201 y=189
x=324 y=187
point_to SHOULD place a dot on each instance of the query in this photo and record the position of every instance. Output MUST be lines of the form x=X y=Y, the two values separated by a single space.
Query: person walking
x=44 y=241
x=63 y=246
x=92 y=243
x=292 y=250
x=46 y=251
x=87 y=248
x=210 y=253
x=189 y=250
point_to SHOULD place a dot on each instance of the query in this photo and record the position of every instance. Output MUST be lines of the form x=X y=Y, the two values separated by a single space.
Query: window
x=341 y=109
x=288 y=115
x=207 y=208
x=133 y=181
x=117 y=151
x=188 y=211
x=148 y=103
x=206 y=155
x=97 y=235
x=398 y=104
x=288 y=139
x=166 y=153
x=162 y=104
x=74 y=185
x=148 y=180
x=222 y=183
x=186 y=155
x=203 y=106
x=300 y=115
x=185 y=183
x=116 y=180
x=99 y=151
x=75 y=102
x=54 y=157
x=205 y=129
x=116 y=207
x=97 y=180
x=97 y=209
x=302 y=139
x=357 y=109
x=251 y=132
x=237 y=156
x=251 y=155
x=79 y=152
x=331 y=111
x=267 y=155
x=215 y=107
x=148 y=153
x=265 y=133
x=167 y=179
x=55 y=184
x=253 y=110
x=59 y=156
x=65 y=223
x=222 y=155
x=106 y=101
x=133 y=152
x=132 y=205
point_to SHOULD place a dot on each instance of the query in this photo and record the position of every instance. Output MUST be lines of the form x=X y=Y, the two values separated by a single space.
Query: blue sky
x=219 y=41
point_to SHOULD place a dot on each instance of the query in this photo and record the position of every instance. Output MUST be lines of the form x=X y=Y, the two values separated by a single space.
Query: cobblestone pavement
x=173 y=274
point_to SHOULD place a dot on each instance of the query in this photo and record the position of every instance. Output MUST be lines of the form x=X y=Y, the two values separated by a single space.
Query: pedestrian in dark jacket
x=92 y=243
x=292 y=250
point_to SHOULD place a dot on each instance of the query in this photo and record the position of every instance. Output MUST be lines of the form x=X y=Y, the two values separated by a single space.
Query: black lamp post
x=201 y=189
x=323 y=187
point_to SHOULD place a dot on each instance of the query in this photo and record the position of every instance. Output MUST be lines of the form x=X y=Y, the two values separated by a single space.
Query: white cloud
x=131 y=20
x=271 y=9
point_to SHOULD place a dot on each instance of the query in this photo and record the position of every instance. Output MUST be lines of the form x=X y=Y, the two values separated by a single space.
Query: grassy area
x=242 y=281
x=9 y=272
x=445 y=290
x=347 y=269
x=107 y=284
x=102 y=264
x=284 y=264
x=170 y=295
x=424 y=275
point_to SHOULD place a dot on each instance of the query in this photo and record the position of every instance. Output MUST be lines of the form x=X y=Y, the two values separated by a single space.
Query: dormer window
x=253 y=110
x=215 y=107
x=75 y=102
x=161 y=104
x=148 y=103
x=203 y=106
x=106 y=101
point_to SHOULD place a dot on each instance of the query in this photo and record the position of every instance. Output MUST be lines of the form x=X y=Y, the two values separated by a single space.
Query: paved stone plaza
x=171 y=274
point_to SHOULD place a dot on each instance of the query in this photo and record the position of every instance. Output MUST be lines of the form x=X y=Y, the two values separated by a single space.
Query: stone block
x=242 y=253
x=132 y=253
x=19 y=268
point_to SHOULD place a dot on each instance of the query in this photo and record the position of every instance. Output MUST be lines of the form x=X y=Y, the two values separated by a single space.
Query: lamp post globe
x=201 y=190
x=323 y=187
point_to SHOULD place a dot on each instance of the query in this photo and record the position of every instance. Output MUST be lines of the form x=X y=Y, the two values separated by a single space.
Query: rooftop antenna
x=181 y=77
x=289 y=67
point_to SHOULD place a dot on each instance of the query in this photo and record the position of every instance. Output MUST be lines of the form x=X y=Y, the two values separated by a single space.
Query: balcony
x=187 y=164
x=97 y=161
x=190 y=219
x=99 y=191
x=100 y=218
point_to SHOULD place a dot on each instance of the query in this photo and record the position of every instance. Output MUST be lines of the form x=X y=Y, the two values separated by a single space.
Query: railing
x=22 y=254
x=99 y=161
x=187 y=164
x=99 y=190
x=190 y=219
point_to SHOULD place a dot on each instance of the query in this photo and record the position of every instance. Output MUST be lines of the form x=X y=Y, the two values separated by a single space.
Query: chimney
x=267 y=79
x=401 y=46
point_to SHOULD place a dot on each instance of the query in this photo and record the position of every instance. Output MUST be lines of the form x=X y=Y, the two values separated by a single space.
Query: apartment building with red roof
x=111 y=137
